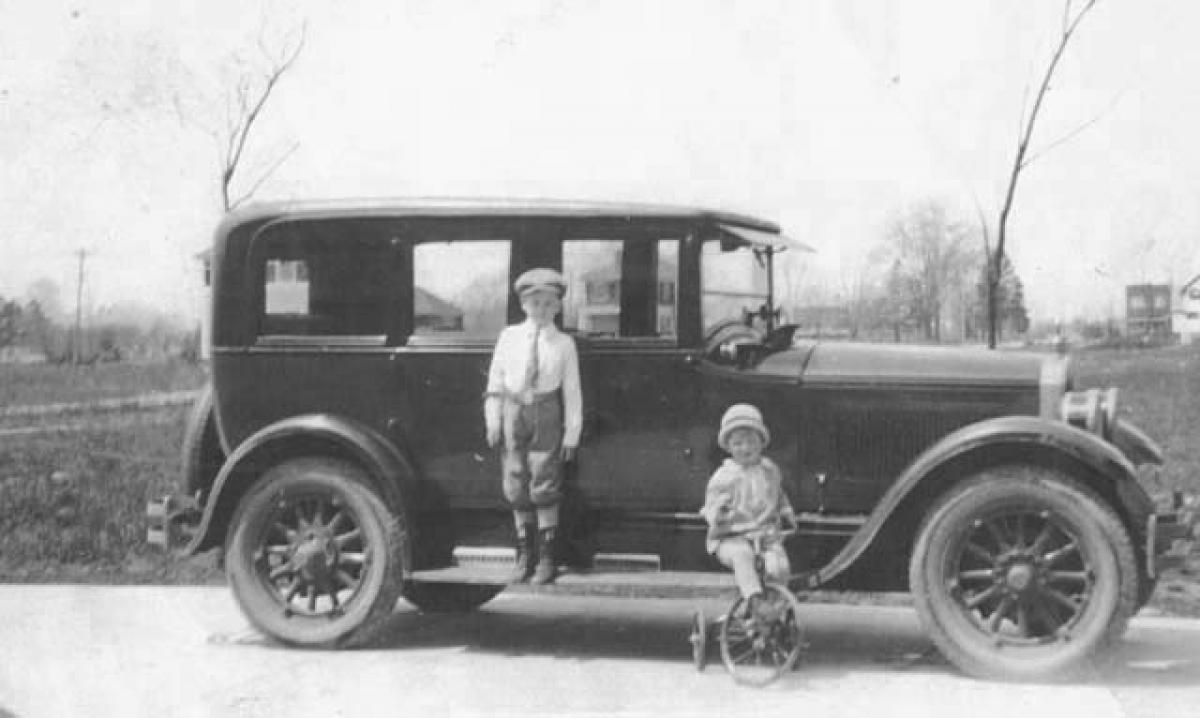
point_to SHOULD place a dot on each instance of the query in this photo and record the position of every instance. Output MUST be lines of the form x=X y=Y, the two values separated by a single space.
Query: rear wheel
x=1023 y=573
x=450 y=597
x=313 y=555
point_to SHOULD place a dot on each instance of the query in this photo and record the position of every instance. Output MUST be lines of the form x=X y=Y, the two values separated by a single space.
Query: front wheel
x=759 y=645
x=1022 y=573
x=314 y=557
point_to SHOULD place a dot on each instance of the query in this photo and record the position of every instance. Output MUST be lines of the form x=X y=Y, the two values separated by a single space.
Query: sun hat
x=542 y=279
x=742 y=416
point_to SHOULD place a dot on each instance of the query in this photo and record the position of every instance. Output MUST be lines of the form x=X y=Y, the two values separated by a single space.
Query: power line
x=77 y=345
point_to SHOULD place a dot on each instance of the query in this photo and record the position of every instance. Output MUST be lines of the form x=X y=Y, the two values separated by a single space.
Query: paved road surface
x=130 y=651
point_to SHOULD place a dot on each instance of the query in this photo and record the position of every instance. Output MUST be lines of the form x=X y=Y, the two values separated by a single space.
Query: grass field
x=72 y=502
x=51 y=384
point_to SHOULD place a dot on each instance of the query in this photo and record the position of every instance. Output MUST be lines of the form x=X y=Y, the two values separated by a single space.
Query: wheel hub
x=1019 y=576
x=315 y=557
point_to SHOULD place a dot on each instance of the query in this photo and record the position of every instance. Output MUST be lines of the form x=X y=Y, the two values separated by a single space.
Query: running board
x=625 y=584
x=485 y=557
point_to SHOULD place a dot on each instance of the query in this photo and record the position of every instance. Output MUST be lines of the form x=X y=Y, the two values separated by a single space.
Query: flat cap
x=542 y=279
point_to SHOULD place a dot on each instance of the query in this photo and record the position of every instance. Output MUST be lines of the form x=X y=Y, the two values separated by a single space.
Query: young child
x=534 y=404
x=745 y=496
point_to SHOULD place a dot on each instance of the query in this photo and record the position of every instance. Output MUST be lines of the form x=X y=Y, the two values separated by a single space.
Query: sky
x=830 y=117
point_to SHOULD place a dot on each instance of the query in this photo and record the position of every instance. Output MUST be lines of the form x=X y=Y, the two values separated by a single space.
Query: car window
x=322 y=284
x=460 y=289
x=733 y=281
x=603 y=300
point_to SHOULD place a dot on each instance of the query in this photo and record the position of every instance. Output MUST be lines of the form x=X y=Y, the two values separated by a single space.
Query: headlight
x=1094 y=410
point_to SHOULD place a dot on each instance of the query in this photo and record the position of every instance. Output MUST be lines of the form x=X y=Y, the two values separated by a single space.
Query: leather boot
x=523 y=568
x=546 y=568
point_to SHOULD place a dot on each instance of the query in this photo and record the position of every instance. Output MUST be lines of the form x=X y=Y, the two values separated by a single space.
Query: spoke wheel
x=313 y=556
x=759 y=646
x=1022 y=573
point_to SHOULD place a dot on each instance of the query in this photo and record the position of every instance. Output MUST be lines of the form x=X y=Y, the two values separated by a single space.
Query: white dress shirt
x=558 y=367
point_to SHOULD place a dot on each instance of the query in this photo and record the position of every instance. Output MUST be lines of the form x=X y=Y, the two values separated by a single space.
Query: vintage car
x=339 y=461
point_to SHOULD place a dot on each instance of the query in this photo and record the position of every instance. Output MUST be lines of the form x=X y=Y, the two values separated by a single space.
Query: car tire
x=1023 y=573
x=314 y=557
x=450 y=597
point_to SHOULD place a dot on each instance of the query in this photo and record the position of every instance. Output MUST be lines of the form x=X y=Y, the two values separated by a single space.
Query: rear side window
x=460 y=289
x=324 y=281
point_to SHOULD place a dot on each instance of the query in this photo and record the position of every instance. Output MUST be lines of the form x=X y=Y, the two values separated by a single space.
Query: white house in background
x=1187 y=317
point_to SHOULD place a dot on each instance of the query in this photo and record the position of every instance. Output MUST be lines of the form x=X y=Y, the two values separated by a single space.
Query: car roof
x=481 y=207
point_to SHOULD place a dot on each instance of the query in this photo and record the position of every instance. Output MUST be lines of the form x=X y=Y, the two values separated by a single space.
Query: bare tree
x=927 y=253
x=244 y=107
x=1070 y=23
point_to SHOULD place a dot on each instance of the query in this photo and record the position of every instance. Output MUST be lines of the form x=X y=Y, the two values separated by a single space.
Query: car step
x=486 y=556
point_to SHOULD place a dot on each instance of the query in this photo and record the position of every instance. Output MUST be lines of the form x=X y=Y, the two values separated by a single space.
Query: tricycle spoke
x=281 y=571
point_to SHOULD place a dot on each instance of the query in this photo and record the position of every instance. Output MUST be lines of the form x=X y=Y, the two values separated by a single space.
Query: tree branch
x=1073 y=133
x=250 y=112
x=265 y=175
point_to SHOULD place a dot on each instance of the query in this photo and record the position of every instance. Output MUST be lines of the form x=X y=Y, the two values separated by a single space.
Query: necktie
x=531 y=367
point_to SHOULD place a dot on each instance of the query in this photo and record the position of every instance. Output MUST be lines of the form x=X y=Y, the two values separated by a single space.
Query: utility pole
x=77 y=345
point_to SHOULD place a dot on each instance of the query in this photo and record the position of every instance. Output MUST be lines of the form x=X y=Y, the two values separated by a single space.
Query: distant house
x=1187 y=315
x=431 y=313
x=601 y=308
x=1148 y=312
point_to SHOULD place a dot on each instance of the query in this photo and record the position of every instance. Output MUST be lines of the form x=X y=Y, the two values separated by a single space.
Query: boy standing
x=745 y=497
x=534 y=404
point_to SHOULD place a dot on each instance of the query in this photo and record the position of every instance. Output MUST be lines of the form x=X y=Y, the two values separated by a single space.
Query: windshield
x=733 y=281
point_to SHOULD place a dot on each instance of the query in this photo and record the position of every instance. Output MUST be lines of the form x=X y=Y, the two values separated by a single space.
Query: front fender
x=1012 y=432
x=389 y=470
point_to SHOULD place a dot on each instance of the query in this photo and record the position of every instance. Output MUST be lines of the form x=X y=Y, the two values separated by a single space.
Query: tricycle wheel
x=760 y=645
x=1023 y=573
x=314 y=557
x=699 y=640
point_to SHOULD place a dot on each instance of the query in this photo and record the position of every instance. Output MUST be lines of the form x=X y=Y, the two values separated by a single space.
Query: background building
x=1148 y=312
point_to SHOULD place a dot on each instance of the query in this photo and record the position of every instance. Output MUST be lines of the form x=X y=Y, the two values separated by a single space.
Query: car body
x=351 y=343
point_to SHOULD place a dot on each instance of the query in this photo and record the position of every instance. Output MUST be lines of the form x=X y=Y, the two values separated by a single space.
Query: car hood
x=842 y=363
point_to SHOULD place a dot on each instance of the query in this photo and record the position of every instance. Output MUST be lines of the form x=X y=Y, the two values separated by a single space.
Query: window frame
x=258 y=256
x=584 y=231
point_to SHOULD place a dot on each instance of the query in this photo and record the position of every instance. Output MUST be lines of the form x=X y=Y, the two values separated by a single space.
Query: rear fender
x=995 y=441
x=390 y=473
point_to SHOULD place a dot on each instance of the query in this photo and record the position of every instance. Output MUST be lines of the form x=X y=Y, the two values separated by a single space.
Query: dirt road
x=154 y=651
